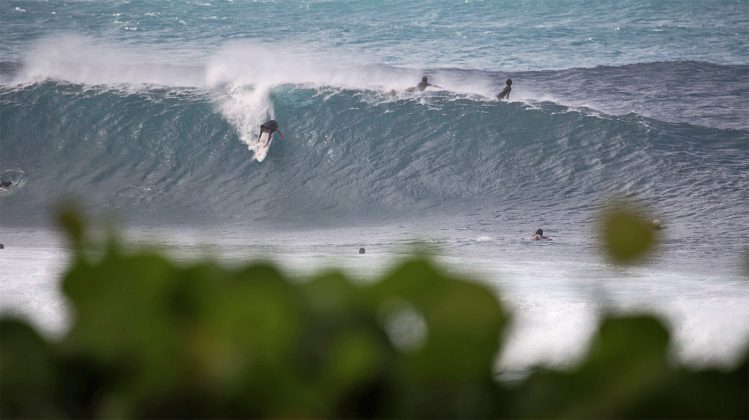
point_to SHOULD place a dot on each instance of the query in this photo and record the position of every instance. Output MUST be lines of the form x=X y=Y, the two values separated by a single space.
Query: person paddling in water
x=505 y=94
x=539 y=235
x=425 y=84
x=269 y=127
x=421 y=86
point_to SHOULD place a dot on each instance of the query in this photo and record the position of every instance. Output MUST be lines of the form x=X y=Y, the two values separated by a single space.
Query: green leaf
x=627 y=235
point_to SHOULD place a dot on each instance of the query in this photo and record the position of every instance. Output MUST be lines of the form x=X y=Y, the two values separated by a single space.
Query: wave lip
x=691 y=92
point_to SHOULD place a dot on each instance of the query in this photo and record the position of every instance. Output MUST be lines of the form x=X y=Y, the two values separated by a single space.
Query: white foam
x=75 y=58
x=246 y=108
x=555 y=305
x=554 y=317
x=250 y=62
x=82 y=60
x=546 y=331
x=240 y=75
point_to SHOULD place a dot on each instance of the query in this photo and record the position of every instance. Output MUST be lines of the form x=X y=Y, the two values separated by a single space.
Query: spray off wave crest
x=239 y=76
x=669 y=91
x=82 y=60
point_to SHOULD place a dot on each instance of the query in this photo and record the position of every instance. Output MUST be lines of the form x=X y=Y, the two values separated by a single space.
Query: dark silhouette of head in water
x=539 y=235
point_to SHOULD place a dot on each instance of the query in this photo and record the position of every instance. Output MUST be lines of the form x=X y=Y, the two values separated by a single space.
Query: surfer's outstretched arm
x=281 y=133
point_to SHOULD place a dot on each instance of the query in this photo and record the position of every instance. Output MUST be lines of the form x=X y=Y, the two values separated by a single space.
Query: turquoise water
x=486 y=35
x=149 y=110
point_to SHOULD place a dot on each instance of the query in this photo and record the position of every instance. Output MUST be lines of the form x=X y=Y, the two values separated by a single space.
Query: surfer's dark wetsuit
x=424 y=84
x=269 y=127
x=505 y=94
x=6 y=184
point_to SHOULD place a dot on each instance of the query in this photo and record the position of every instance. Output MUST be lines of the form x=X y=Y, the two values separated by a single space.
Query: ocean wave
x=182 y=154
x=692 y=92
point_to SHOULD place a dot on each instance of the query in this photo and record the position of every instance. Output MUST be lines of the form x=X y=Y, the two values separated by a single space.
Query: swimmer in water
x=539 y=235
x=423 y=85
x=505 y=94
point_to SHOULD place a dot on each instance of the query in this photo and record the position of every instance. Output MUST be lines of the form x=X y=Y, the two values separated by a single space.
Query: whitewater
x=147 y=112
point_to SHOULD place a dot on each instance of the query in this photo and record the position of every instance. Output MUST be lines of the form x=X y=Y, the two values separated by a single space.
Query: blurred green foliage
x=628 y=236
x=154 y=339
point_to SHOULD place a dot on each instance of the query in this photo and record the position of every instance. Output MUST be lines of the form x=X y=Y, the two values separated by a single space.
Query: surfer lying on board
x=422 y=85
x=269 y=127
x=6 y=184
x=505 y=94
x=539 y=235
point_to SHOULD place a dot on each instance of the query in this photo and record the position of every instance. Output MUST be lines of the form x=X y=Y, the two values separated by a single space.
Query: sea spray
x=246 y=108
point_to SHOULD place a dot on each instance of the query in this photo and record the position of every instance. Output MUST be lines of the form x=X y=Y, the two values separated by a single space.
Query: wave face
x=180 y=154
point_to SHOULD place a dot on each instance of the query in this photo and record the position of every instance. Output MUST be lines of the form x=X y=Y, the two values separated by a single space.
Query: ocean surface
x=147 y=112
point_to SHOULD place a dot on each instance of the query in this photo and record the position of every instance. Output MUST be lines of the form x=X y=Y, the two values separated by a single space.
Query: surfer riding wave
x=269 y=127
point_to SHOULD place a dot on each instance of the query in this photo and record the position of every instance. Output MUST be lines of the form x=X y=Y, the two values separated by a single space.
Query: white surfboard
x=261 y=147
